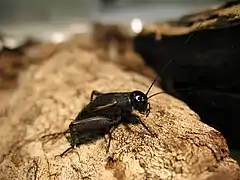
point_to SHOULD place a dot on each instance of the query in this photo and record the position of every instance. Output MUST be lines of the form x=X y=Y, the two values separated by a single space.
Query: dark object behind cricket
x=205 y=71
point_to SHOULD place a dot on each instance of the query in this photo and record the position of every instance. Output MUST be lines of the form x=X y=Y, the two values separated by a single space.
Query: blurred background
x=40 y=18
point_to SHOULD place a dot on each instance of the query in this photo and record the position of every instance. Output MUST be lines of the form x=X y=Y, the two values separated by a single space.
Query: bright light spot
x=136 y=25
x=11 y=42
x=1 y=45
x=58 y=37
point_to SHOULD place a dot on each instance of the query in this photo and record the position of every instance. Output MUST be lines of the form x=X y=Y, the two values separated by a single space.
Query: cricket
x=106 y=111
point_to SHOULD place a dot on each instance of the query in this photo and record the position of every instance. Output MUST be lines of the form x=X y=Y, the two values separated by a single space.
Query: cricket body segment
x=139 y=101
x=106 y=111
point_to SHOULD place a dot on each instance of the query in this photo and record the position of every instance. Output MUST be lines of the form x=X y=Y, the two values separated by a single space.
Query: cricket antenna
x=190 y=36
x=169 y=62
x=150 y=87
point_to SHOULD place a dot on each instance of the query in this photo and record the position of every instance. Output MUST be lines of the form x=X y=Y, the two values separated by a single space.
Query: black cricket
x=106 y=111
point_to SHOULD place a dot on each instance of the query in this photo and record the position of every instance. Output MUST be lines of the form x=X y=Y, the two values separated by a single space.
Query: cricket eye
x=139 y=101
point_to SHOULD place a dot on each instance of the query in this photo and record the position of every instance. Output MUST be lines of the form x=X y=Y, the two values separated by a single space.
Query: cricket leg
x=93 y=125
x=74 y=138
x=111 y=131
x=66 y=151
x=144 y=125
x=148 y=110
x=95 y=93
x=79 y=127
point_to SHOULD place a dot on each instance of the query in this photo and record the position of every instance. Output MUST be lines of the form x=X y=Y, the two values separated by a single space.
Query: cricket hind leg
x=74 y=140
x=98 y=125
x=110 y=131
x=95 y=93
x=66 y=151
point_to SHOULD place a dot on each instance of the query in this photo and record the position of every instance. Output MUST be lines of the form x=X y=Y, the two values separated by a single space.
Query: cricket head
x=139 y=99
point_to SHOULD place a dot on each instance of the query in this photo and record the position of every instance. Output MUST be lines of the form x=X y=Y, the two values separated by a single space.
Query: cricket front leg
x=144 y=125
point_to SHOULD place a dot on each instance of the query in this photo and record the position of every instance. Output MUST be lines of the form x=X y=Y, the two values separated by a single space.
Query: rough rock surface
x=52 y=93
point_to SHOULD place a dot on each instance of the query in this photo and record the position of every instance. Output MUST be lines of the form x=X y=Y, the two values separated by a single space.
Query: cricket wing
x=105 y=105
x=97 y=123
